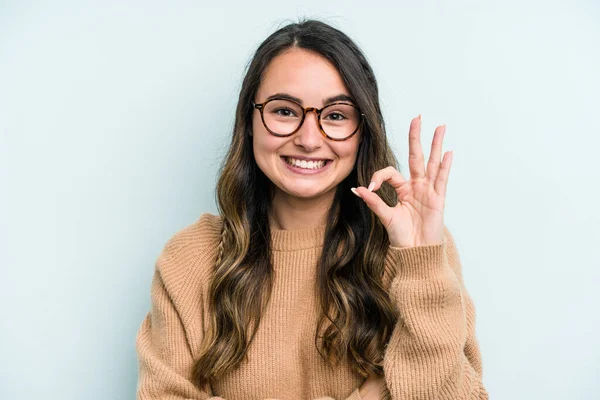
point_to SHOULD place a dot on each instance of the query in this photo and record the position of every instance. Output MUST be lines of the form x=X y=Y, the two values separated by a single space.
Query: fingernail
x=355 y=192
x=419 y=117
x=371 y=186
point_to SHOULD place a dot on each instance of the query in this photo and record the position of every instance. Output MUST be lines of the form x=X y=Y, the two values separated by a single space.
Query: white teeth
x=305 y=164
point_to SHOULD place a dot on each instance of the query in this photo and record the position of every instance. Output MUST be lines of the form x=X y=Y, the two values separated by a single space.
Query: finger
x=375 y=203
x=441 y=181
x=433 y=165
x=415 y=153
x=389 y=174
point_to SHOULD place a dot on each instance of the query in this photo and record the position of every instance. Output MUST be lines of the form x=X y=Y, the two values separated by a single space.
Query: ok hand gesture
x=418 y=218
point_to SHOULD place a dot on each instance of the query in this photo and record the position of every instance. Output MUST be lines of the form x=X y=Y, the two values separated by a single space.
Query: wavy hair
x=357 y=314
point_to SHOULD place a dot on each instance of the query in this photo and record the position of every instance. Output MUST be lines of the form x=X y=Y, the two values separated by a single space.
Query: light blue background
x=114 y=117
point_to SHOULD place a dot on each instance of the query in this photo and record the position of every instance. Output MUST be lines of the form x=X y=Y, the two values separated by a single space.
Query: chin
x=300 y=191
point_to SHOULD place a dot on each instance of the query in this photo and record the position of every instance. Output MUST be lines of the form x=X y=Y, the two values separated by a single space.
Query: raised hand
x=418 y=218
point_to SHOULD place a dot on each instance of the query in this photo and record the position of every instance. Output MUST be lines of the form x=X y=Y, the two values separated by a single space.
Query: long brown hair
x=358 y=316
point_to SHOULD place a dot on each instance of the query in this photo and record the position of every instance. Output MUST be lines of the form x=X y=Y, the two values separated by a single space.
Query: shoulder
x=189 y=255
x=195 y=239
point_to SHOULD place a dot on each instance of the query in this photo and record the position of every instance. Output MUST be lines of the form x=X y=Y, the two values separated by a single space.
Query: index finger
x=388 y=174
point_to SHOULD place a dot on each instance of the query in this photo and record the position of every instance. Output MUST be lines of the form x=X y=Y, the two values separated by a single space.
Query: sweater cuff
x=417 y=262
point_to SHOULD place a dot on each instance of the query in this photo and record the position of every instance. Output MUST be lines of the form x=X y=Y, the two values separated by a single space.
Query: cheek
x=348 y=152
x=263 y=143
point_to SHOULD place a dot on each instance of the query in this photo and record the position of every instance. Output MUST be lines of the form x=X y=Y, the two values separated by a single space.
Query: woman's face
x=312 y=79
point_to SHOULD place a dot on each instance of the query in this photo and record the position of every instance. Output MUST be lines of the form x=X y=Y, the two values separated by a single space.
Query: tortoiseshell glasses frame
x=318 y=111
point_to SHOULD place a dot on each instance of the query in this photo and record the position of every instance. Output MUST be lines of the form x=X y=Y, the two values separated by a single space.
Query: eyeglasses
x=283 y=117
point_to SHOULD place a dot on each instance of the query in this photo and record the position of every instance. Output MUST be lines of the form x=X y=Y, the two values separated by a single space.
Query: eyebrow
x=328 y=100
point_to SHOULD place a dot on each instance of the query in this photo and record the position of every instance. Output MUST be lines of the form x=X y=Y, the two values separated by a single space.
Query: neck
x=291 y=213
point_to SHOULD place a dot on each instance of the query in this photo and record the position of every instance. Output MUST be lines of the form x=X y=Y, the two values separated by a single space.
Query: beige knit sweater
x=432 y=353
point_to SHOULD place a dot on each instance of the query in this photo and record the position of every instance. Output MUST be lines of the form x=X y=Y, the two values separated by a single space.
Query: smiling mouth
x=303 y=164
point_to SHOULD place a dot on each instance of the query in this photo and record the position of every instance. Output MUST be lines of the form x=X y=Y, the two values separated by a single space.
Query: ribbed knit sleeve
x=165 y=359
x=433 y=352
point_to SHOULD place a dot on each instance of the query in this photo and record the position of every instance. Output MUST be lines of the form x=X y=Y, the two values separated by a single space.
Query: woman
x=301 y=289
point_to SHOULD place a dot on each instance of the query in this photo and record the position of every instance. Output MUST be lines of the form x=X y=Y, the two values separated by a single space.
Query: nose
x=309 y=135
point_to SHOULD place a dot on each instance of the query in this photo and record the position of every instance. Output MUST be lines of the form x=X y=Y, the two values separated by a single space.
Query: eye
x=284 y=112
x=335 y=116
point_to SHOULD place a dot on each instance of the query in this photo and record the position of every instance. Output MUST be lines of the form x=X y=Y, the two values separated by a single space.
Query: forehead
x=303 y=74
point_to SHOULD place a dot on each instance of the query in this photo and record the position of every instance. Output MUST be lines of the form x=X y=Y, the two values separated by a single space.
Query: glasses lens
x=340 y=120
x=282 y=116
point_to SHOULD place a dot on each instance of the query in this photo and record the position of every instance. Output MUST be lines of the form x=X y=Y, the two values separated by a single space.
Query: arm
x=433 y=352
x=165 y=360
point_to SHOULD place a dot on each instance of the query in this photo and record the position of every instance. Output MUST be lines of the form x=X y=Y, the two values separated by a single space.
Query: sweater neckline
x=297 y=239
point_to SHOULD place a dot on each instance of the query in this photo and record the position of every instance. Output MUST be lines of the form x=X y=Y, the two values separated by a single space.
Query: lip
x=303 y=171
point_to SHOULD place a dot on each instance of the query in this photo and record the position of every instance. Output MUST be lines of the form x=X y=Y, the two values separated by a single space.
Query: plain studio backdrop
x=114 y=118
